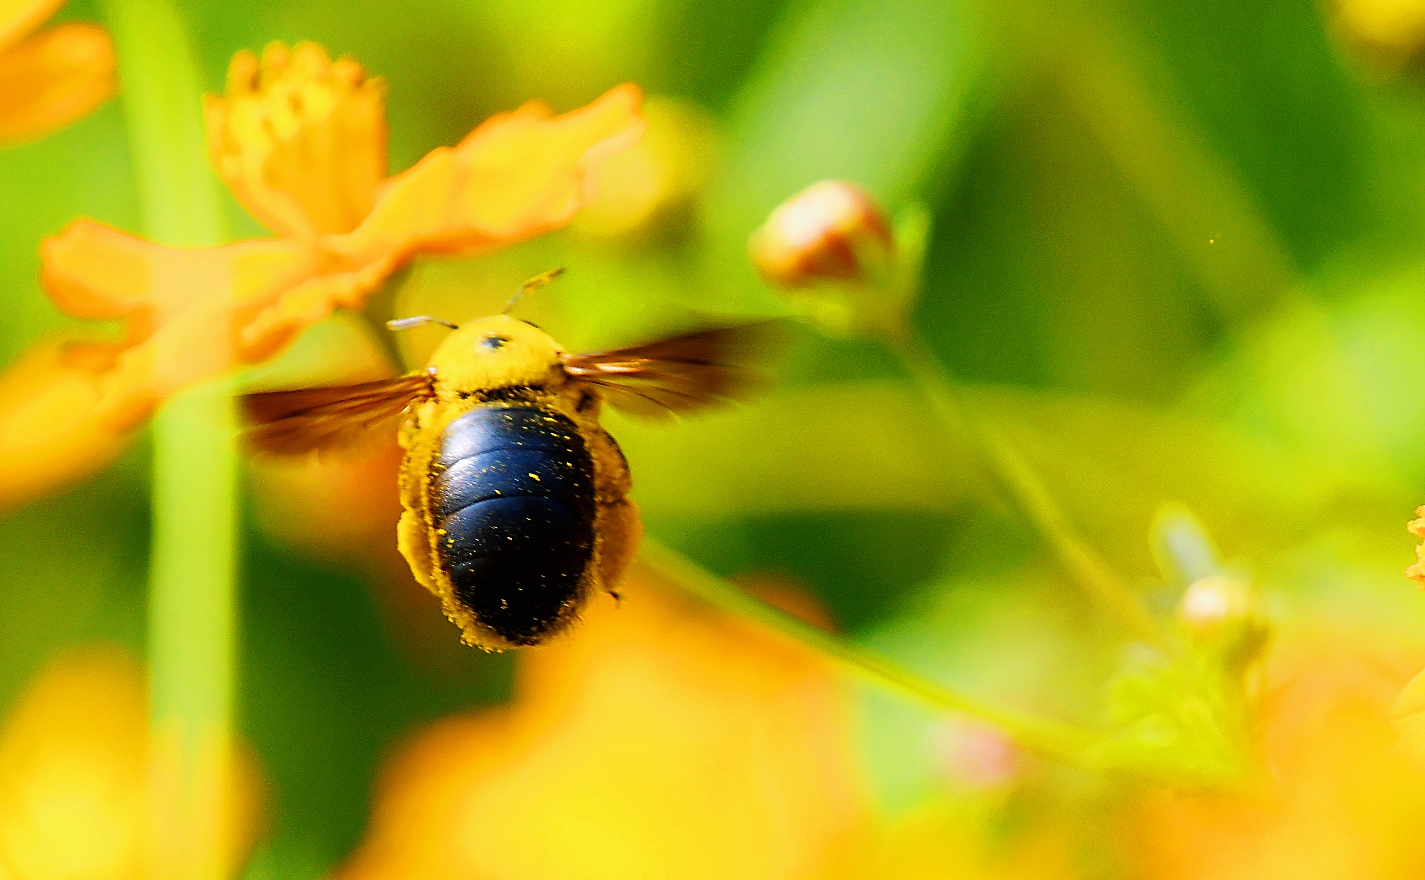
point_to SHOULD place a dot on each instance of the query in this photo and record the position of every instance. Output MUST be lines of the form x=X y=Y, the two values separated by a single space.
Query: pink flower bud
x=830 y=231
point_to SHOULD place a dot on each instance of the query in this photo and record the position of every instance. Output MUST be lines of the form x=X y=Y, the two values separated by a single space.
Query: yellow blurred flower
x=301 y=141
x=1338 y=799
x=659 y=740
x=74 y=776
x=934 y=842
x=52 y=77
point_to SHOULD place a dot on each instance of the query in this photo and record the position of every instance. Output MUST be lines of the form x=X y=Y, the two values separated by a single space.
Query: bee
x=515 y=499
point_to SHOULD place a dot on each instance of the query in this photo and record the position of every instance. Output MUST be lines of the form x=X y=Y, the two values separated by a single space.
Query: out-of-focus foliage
x=1176 y=254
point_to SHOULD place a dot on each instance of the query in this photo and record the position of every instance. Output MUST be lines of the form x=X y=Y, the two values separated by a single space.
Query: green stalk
x=1047 y=737
x=191 y=621
x=1023 y=488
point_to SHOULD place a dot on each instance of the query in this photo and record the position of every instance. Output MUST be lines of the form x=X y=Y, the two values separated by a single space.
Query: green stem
x=191 y=633
x=1023 y=488
x=1048 y=737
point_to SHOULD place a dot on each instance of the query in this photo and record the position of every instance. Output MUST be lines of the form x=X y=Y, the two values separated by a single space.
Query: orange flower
x=74 y=776
x=659 y=740
x=301 y=141
x=51 y=78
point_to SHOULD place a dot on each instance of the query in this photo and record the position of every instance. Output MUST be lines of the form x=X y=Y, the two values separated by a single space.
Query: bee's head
x=495 y=352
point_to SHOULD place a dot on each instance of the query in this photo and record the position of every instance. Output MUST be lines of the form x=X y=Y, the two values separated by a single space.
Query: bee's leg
x=611 y=479
x=413 y=540
x=619 y=527
x=413 y=537
x=620 y=531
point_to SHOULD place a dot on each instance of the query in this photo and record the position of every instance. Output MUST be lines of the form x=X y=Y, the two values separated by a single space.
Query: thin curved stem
x=1024 y=490
x=1047 y=737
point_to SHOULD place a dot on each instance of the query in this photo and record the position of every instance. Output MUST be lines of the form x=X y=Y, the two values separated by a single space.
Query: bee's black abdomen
x=513 y=495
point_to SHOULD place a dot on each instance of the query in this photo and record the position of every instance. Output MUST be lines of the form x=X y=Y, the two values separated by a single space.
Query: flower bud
x=1219 y=613
x=831 y=231
x=1215 y=604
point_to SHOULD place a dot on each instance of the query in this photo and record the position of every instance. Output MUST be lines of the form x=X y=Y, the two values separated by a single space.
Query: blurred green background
x=1178 y=254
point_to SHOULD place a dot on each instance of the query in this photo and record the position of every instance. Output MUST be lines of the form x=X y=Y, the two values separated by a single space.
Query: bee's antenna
x=532 y=285
x=417 y=321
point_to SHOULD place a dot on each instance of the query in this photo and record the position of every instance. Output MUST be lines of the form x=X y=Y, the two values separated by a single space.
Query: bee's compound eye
x=494 y=342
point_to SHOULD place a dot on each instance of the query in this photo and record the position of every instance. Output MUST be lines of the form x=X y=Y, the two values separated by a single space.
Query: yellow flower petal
x=299 y=139
x=72 y=772
x=20 y=17
x=308 y=302
x=517 y=176
x=49 y=431
x=185 y=307
x=54 y=78
x=660 y=740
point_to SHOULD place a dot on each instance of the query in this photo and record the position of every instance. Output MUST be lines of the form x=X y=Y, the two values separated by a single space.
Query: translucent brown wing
x=683 y=373
x=311 y=419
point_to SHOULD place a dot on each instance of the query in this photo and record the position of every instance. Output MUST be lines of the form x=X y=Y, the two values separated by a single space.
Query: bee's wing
x=311 y=419
x=683 y=373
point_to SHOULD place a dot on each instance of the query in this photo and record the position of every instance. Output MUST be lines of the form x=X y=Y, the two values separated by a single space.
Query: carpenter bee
x=515 y=500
